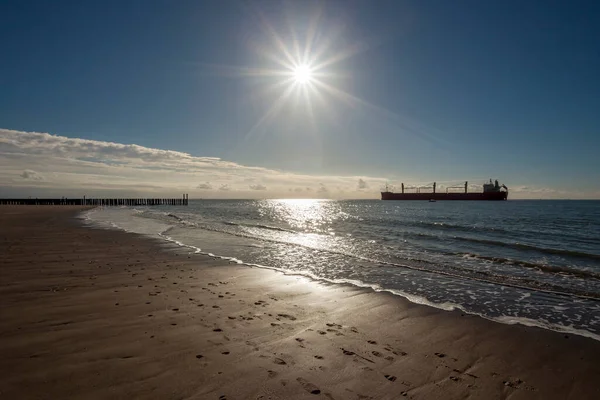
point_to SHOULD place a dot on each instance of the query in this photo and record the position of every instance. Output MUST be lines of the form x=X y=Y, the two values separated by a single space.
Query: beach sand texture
x=98 y=314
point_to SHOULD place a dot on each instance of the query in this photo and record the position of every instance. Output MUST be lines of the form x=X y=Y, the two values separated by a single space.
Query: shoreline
x=101 y=313
x=416 y=299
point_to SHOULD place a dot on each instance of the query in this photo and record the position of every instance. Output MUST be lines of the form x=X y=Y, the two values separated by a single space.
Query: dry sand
x=97 y=314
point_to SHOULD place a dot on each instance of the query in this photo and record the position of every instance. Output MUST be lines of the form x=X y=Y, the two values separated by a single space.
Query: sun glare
x=301 y=68
x=302 y=74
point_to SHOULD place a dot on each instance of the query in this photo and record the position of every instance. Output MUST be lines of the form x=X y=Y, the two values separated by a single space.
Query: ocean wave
x=459 y=272
x=524 y=246
x=477 y=229
x=423 y=265
x=449 y=270
x=540 y=267
x=261 y=226
x=178 y=218
x=499 y=243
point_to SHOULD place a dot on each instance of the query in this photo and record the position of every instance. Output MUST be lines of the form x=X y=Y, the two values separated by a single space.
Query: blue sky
x=414 y=91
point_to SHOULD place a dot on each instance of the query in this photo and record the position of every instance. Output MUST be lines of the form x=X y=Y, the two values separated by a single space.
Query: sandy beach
x=98 y=314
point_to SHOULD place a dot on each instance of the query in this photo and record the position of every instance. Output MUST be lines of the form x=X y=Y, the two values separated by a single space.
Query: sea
x=535 y=263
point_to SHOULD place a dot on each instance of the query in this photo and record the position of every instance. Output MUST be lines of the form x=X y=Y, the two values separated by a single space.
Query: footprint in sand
x=376 y=353
x=390 y=378
x=272 y=374
x=309 y=387
x=371 y=342
x=279 y=361
x=217 y=330
x=389 y=358
x=322 y=332
x=225 y=353
x=290 y=317
x=299 y=340
x=319 y=357
x=199 y=356
x=274 y=324
x=440 y=355
x=513 y=383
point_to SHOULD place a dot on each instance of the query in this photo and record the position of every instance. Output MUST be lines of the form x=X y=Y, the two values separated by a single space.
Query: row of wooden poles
x=183 y=201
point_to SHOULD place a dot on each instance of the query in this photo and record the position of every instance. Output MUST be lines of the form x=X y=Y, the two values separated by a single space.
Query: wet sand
x=98 y=314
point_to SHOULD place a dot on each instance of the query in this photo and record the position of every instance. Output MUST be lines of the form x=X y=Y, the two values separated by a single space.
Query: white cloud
x=362 y=184
x=532 y=189
x=205 y=186
x=258 y=186
x=31 y=175
x=322 y=189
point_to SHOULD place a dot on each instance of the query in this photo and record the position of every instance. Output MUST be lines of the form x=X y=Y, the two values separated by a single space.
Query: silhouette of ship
x=491 y=191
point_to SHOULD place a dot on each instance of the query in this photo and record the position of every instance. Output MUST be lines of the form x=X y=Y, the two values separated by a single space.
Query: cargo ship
x=491 y=191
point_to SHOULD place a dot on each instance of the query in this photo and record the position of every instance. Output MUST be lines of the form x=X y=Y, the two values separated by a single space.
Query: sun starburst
x=302 y=74
x=300 y=69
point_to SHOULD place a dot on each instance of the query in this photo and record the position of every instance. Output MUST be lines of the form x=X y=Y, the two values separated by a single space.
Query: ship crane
x=465 y=187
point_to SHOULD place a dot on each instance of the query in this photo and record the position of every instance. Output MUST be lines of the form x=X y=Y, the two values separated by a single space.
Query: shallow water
x=531 y=262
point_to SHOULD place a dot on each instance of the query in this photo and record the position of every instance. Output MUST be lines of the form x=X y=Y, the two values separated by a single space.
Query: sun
x=302 y=74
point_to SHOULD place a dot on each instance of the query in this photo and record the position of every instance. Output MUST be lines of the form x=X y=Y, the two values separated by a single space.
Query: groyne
x=83 y=201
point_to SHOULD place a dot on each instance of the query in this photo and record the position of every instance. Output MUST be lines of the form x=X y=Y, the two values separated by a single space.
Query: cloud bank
x=41 y=164
x=77 y=167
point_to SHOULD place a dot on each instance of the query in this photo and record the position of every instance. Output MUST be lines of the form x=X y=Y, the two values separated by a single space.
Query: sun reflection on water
x=306 y=215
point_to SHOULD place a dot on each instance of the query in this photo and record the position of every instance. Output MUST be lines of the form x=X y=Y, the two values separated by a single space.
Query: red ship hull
x=444 y=196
